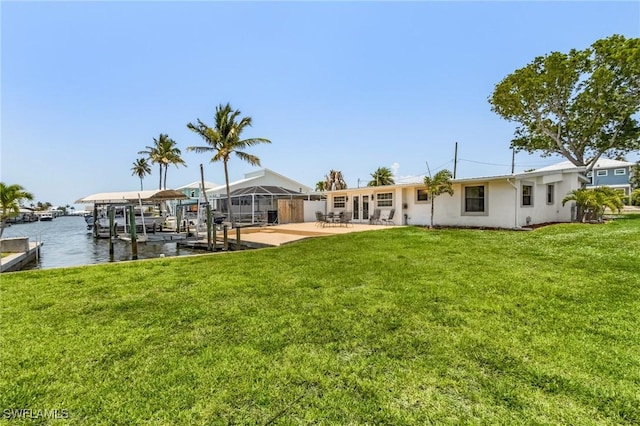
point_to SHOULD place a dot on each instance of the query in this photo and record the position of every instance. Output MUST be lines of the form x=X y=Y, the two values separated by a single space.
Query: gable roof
x=602 y=163
x=253 y=179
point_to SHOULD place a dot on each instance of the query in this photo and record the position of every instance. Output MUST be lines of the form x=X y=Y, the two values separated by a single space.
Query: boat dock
x=18 y=252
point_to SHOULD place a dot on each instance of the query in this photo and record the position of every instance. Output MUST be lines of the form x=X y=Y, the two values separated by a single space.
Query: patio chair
x=374 y=219
x=345 y=218
x=321 y=219
x=389 y=219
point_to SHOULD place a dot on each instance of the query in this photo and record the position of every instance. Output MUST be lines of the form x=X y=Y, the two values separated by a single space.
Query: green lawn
x=400 y=326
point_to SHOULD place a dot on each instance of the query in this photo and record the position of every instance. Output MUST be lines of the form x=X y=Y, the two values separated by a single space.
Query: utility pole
x=455 y=161
x=513 y=159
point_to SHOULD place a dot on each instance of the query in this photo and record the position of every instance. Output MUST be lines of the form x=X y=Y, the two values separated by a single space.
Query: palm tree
x=10 y=198
x=382 y=176
x=320 y=186
x=334 y=181
x=141 y=168
x=439 y=184
x=224 y=139
x=153 y=154
x=163 y=152
x=169 y=154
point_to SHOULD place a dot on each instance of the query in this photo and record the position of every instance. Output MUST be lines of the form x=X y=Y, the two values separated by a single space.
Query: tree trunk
x=226 y=179
x=166 y=169
x=141 y=185
x=431 y=226
x=160 y=181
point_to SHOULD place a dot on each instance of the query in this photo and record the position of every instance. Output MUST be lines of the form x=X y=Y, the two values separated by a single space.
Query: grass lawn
x=402 y=326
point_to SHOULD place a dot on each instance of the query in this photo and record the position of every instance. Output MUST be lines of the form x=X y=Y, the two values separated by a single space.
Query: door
x=365 y=207
x=356 y=207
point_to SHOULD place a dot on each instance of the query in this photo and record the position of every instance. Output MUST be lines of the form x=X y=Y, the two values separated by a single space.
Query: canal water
x=67 y=242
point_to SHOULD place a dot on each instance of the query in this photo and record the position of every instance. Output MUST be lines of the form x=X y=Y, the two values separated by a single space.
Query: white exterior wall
x=503 y=202
x=311 y=207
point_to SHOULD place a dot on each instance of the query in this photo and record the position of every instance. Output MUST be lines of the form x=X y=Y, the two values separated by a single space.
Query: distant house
x=509 y=201
x=606 y=172
x=192 y=190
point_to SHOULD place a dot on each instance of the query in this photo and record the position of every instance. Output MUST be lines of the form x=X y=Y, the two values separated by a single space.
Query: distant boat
x=45 y=216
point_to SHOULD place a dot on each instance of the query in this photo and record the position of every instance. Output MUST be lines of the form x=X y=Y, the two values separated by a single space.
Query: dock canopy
x=129 y=197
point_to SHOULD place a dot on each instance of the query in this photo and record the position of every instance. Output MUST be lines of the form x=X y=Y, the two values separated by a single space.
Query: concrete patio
x=277 y=235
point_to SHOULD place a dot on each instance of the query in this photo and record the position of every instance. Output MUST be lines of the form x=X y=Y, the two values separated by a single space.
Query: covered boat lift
x=129 y=198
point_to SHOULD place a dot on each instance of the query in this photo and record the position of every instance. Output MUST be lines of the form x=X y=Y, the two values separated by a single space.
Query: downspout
x=515 y=187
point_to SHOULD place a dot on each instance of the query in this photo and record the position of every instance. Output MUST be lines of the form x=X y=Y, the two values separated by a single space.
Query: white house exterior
x=510 y=201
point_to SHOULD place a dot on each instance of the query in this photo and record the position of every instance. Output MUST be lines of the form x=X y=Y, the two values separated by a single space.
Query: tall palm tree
x=153 y=154
x=141 y=168
x=10 y=198
x=224 y=139
x=169 y=154
x=382 y=176
x=439 y=184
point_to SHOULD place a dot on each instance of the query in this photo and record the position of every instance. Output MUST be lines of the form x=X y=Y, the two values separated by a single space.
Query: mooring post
x=132 y=228
x=112 y=230
x=237 y=238
x=95 y=220
x=225 y=237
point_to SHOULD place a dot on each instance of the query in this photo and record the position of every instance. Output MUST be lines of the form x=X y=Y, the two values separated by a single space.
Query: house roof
x=132 y=197
x=602 y=163
x=252 y=177
x=196 y=185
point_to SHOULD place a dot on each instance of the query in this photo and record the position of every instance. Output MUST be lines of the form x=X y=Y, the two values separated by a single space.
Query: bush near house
x=401 y=326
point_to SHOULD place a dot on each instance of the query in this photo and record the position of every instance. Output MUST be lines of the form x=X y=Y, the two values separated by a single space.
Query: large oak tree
x=581 y=105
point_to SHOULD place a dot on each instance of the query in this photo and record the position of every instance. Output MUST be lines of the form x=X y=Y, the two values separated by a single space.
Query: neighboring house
x=510 y=201
x=192 y=190
x=255 y=198
x=262 y=177
x=606 y=172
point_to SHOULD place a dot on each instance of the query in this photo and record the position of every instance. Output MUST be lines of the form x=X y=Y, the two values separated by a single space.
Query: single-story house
x=509 y=201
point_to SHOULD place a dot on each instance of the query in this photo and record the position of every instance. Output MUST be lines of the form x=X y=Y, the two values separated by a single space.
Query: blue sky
x=350 y=86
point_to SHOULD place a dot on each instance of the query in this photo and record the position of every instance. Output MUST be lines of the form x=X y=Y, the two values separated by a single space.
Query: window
x=619 y=172
x=384 y=199
x=602 y=173
x=474 y=199
x=422 y=195
x=527 y=195
x=193 y=193
x=550 y=194
x=339 y=202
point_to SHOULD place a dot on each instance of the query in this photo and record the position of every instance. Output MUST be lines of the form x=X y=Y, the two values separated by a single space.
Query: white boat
x=45 y=216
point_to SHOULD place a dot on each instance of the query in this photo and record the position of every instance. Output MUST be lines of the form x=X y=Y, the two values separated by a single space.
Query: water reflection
x=68 y=243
